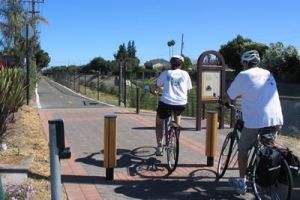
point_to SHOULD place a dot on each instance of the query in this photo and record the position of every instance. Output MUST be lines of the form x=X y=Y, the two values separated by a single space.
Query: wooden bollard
x=211 y=137
x=110 y=145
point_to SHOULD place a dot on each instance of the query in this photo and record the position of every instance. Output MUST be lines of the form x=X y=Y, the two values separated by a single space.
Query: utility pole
x=33 y=12
x=181 y=44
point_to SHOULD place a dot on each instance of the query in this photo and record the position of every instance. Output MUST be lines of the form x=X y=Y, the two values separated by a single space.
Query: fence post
x=211 y=137
x=85 y=84
x=110 y=145
x=138 y=103
x=98 y=87
x=74 y=81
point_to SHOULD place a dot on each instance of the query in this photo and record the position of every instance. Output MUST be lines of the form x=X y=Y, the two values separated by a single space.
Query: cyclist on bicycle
x=260 y=109
x=175 y=83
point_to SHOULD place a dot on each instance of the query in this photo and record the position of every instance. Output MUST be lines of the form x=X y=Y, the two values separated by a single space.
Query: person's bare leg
x=178 y=119
x=159 y=130
x=242 y=160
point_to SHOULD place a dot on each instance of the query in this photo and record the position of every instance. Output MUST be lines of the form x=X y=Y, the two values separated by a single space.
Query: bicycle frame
x=264 y=139
x=167 y=122
x=171 y=146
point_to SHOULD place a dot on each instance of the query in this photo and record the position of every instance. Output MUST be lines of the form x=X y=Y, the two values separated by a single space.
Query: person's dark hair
x=176 y=61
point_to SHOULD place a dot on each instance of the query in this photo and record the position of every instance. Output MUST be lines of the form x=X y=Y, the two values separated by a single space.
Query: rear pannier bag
x=293 y=162
x=294 y=165
x=268 y=167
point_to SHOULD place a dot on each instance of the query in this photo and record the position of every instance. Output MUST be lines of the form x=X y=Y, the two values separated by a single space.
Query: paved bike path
x=139 y=173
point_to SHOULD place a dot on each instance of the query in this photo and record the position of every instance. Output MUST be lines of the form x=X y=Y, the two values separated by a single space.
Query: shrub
x=12 y=96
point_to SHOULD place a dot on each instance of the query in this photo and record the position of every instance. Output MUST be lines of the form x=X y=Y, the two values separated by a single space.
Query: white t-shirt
x=260 y=100
x=176 y=84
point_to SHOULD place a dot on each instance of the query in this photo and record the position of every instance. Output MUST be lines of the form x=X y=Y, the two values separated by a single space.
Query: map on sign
x=211 y=81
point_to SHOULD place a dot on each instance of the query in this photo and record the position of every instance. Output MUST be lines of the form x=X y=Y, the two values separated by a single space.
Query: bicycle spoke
x=172 y=149
x=225 y=155
x=281 y=189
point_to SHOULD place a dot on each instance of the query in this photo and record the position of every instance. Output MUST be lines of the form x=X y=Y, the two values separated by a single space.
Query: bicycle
x=281 y=188
x=171 y=133
x=171 y=141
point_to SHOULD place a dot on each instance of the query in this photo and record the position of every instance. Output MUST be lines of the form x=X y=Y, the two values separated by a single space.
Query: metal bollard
x=64 y=152
x=57 y=151
x=211 y=137
x=110 y=145
x=1 y=189
x=54 y=162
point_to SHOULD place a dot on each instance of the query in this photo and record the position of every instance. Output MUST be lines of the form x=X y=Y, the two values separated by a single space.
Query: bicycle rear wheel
x=282 y=187
x=225 y=155
x=172 y=148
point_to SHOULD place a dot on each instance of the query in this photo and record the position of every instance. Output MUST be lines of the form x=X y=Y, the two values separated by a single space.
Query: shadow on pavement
x=150 y=178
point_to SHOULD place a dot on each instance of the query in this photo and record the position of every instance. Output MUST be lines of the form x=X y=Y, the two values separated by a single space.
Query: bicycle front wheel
x=173 y=148
x=282 y=187
x=225 y=155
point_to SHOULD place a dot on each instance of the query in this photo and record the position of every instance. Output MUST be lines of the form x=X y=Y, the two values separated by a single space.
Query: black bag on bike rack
x=293 y=163
x=269 y=166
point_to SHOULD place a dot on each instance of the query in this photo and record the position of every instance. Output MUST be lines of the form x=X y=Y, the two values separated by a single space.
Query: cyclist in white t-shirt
x=175 y=83
x=260 y=108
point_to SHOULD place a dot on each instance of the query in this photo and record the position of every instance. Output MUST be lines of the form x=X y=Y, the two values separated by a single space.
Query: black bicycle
x=171 y=135
x=282 y=186
x=171 y=142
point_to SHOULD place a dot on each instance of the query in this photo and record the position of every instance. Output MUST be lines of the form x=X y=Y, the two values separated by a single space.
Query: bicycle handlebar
x=227 y=104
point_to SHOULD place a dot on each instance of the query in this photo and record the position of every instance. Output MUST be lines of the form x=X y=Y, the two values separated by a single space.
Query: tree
x=283 y=62
x=97 y=64
x=121 y=55
x=131 y=51
x=187 y=63
x=171 y=43
x=42 y=59
x=13 y=20
x=12 y=17
x=128 y=55
x=233 y=50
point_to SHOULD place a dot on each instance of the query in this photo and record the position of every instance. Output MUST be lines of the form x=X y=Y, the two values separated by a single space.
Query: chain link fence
x=96 y=86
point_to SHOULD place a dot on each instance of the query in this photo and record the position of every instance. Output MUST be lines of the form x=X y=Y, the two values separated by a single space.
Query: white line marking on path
x=39 y=106
x=81 y=95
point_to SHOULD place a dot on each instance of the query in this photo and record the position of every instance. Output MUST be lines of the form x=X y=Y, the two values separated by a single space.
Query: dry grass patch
x=26 y=137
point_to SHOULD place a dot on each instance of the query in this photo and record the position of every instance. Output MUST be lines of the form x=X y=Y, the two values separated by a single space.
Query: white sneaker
x=239 y=184
x=159 y=151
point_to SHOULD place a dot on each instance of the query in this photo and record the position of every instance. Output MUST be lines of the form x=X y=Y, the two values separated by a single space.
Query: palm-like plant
x=13 y=19
x=10 y=25
x=12 y=96
x=171 y=43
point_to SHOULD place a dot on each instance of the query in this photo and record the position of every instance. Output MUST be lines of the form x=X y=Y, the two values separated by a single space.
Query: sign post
x=211 y=83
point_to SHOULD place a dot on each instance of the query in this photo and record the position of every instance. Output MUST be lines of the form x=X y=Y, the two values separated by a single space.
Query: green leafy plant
x=12 y=96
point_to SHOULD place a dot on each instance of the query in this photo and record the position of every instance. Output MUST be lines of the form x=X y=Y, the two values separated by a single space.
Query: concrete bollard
x=110 y=145
x=211 y=137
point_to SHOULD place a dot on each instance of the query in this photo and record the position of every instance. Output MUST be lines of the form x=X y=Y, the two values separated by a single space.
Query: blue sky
x=79 y=31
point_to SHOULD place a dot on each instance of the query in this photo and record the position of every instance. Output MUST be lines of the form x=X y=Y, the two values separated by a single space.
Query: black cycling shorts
x=165 y=110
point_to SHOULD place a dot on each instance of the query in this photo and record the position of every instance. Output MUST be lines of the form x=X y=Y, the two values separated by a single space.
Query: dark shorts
x=165 y=110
